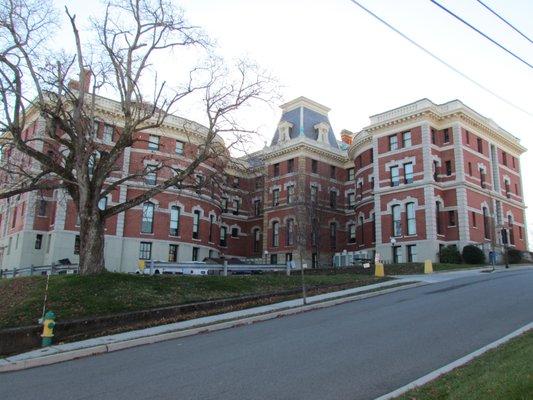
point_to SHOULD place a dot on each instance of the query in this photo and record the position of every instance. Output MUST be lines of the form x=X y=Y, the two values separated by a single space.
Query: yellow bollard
x=380 y=271
x=428 y=267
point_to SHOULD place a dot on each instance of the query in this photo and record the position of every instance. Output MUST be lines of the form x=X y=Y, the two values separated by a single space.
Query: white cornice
x=307 y=103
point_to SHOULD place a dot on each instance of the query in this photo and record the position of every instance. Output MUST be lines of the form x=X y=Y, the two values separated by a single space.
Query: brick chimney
x=75 y=85
x=346 y=136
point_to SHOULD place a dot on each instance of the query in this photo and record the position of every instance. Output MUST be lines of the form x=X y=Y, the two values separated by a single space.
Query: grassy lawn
x=72 y=296
x=505 y=373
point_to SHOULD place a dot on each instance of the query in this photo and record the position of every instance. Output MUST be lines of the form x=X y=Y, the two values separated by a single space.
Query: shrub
x=515 y=256
x=473 y=255
x=450 y=255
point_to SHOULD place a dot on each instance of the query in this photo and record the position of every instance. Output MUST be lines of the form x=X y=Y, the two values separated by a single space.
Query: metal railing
x=40 y=270
x=158 y=267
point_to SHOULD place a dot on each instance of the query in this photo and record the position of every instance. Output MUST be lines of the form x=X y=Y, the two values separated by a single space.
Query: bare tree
x=67 y=153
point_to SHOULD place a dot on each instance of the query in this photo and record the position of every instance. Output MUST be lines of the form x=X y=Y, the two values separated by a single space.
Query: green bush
x=515 y=256
x=473 y=255
x=450 y=255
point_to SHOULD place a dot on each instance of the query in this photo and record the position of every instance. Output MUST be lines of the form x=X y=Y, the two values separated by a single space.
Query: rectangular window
x=407 y=139
x=507 y=189
x=397 y=254
x=288 y=257
x=108 y=133
x=333 y=235
x=224 y=204
x=290 y=165
x=469 y=168
x=474 y=219
x=223 y=236
x=196 y=224
x=275 y=197
x=411 y=253
x=236 y=182
x=257 y=240
x=153 y=142
x=314 y=166
x=41 y=212
x=394 y=176
x=276 y=169
x=408 y=172
x=147 y=223
x=145 y=251
x=290 y=194
x=480 y=145
x=516 y=189
x=351 y=233
x=290 y=232
x=482 y=177
x=451 y=218
x=437 y=218
x=38 y=241
x=275 y=234
x=433 y=136
x=333 y=199
x=351 y=174
x=273 y=259
x=467 y=137
x=435 y=171
x=151 y=175
x=332 y=172
x=411 y=218
x=175 y=213
x=396 y=221
x=211 y=223
x=504 y=158
x=314 y=194
x=393 y=142
x=446 y=135
x=486 y=223
x=448 y=165
x=172 y=252
x=179 y=147
x=235 y=232
x=351 y=200
x=195 y=253
x=257 y=207
x=359 y=189
x=514 y=164
x=236 y=206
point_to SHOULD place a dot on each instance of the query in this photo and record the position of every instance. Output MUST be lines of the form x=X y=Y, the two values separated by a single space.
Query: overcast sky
x=334 y=53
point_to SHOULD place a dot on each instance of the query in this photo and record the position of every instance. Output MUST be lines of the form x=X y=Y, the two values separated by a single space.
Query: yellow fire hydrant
x=379 y=270
x=48 y=328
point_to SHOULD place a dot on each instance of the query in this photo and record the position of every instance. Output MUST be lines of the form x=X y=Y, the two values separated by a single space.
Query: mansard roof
x=303 y=116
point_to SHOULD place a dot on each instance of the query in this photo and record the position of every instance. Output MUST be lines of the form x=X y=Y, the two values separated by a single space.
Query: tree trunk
x=92 y=236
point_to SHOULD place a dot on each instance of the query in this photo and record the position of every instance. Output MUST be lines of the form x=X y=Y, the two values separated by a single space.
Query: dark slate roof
x=310 y=119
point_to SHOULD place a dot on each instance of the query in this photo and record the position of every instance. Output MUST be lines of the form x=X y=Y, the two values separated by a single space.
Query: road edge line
x=11 y=366
x=455 y=364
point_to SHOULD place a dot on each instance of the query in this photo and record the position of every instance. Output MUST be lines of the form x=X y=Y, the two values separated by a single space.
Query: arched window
x=486 y=225
x=511 y=229
x=411 y=220
x=275 y=234
x=290 y=232
x=257 y=240
x=147 y=224
x=333 y=235
x=175 y=213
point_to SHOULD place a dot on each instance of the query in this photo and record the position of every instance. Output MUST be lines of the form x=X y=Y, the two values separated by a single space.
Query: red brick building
x=424 y=175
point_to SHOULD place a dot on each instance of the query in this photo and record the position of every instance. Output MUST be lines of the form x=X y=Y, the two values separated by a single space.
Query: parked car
x=160 y=267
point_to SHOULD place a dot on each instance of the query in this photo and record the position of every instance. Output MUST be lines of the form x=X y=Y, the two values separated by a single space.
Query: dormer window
x=285 y=131
x=321 y=131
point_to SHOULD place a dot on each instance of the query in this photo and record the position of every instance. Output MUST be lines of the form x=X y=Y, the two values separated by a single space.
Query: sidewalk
x=105 y=344
x=442 y=276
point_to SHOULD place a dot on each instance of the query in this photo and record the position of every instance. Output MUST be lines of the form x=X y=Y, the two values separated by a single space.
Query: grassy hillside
x=72 y=296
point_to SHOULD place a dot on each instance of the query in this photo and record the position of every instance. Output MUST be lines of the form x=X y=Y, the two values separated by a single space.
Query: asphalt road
x=358 y=350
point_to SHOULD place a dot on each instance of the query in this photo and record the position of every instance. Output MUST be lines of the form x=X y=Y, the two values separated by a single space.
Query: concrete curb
x=453 y=365
x=71 y=351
